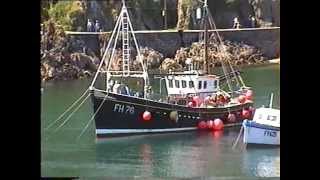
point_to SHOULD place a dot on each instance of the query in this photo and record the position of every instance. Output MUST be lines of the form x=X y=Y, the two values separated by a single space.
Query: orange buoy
x=202 y=125
x=218 y=124
x=210 y=124
x=232 y=118
x=249 y=95
x=241 y=99
x=146 y=116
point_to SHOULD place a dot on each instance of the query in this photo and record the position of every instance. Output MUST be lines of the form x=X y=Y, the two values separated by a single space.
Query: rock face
x=235 y=53
x=63 y=57
x=58 y=66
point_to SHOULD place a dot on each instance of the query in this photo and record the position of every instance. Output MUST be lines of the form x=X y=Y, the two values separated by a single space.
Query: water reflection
x=191 y=154
x=262 y=162
x=147 y=161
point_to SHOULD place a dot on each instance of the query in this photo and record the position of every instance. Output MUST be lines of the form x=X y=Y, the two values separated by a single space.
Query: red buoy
x=245 y=114
x=232 y=118
x=190 y=104
x=218 y=124
x=210 y=124
x=146 y=116
x=202 y=125
x=241 y=99
x=196 y=100
x=206 y=100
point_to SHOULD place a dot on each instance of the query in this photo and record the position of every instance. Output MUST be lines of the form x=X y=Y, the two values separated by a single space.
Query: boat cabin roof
x=268 y=116
x=191 y=84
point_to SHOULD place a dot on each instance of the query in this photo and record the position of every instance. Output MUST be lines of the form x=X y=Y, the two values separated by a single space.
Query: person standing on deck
x=116 y=87
x=110 y=85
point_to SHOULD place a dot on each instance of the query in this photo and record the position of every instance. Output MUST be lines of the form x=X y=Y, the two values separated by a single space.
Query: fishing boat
x=264 y=128
x=193 y=95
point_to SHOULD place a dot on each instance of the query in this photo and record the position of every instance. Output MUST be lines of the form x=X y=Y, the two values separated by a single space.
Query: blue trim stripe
x=260 y=126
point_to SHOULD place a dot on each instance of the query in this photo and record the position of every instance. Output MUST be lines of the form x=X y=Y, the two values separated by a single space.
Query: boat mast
x=124 y=30
x=206 y=65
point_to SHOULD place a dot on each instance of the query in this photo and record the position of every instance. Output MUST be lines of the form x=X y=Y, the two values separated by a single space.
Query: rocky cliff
x=69 y=57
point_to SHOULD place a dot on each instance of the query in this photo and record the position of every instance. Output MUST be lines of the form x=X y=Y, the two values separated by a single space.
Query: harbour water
x=180 y=155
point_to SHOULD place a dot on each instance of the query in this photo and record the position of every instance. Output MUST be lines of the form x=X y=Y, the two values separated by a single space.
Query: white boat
x=264 y=128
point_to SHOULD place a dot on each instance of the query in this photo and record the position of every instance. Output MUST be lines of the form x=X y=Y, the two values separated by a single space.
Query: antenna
x=270 y=105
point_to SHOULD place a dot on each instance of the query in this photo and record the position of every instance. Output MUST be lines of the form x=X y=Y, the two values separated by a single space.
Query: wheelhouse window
x=199 y=84
x=191 y=84
x=177 y=83
x=170 y=83
x=215 y=83
x=204 y=84
x=184 y=84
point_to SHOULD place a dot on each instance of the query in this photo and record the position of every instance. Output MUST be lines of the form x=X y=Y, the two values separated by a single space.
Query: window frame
x=204 y=84
x=191 y=83
x=176 y=83
x=199 y=84
x=170 y=83
x=183 y=83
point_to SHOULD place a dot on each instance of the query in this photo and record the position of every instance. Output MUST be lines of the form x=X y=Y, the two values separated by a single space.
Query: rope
x=236 y=142
x=93 y=116
x=70 y=107
x=104 y=55
x=71 y=114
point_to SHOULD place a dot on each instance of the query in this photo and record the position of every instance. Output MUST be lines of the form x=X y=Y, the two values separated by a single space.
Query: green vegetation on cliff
x=68 y=14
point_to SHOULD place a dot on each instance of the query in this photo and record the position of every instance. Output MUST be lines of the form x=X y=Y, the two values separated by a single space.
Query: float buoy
x=210 y=124
x=232 y=118
x=146 y=116
x=241 y=99
x=245 y=114
x=174 y=116
x=218 y=124
x=197 y=100
x=206 y=100
x=190 y=104
x=202 y=125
